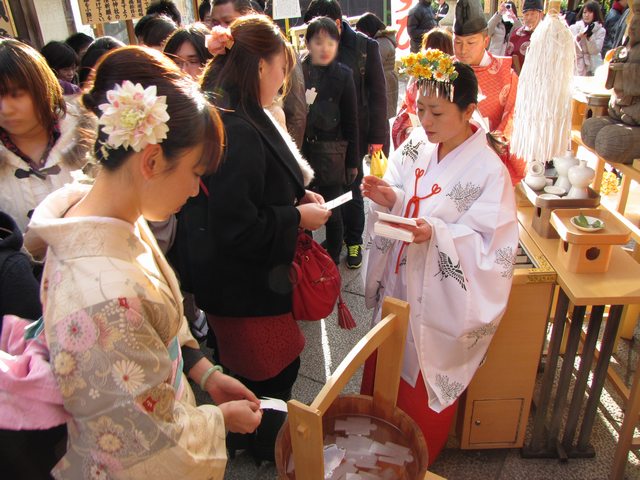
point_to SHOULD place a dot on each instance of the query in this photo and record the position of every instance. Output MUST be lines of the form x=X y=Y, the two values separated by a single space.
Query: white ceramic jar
x=580 y=177
x=562 y=165
x=535 y=176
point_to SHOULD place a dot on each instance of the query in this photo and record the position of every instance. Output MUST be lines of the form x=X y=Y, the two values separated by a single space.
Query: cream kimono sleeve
x=122 y=384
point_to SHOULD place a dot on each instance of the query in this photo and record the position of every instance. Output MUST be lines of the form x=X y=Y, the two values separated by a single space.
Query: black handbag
x=327 y=158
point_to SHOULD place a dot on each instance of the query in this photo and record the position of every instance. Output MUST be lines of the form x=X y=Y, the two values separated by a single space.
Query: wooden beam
x=131 y=32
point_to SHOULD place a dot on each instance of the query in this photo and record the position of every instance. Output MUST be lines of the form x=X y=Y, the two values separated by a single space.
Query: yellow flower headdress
x=433 y=70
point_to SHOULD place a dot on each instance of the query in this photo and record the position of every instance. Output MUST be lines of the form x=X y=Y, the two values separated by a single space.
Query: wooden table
x=619 y=286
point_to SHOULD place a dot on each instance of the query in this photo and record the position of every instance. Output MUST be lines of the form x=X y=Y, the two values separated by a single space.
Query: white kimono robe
x=457 y=283
x=114 y=325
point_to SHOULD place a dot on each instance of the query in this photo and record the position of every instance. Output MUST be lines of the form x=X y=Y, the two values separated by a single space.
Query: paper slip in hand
x=387 y=217
x=267 y=403
x=395 y=233
x=336 y=202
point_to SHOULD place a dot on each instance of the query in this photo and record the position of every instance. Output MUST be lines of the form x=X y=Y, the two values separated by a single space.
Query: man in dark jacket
x=611 y=24
x=361 y=55
x=420 y=20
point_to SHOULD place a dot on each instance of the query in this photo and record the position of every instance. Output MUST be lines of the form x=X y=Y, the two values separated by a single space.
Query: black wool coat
x=419 y=21
x=236 y=244
x=333 y=115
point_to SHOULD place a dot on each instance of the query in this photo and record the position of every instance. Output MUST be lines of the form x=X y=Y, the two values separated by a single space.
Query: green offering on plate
x=583 y=222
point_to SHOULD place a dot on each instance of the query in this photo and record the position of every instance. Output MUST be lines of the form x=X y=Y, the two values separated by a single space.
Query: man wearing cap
x=521 y=37
x=497 y=82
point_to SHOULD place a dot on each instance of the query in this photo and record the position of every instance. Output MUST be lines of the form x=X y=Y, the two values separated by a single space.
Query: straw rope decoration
x=542 y=117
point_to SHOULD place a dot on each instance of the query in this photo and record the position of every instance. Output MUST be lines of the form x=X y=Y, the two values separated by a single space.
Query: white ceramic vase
x=563 y=164
x=535 y=176
x=580 y=177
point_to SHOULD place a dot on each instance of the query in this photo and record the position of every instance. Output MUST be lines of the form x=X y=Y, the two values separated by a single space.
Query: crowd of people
x=510 y=35
x=149 y=192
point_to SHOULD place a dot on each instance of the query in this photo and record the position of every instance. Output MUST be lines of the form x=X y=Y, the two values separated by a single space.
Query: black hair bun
x=89 y=103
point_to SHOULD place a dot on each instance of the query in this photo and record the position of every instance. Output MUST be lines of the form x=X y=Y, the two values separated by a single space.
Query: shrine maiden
x=457 y=273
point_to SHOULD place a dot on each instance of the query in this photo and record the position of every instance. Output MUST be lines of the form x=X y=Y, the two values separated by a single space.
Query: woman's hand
x=378 y=191
x=311 y=197
x=421 y=232
x=241 y=416
x=313 y=216
x=223 y=388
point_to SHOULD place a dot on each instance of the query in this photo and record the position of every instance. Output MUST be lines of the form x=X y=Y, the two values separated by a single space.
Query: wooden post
x=389 y=362
x=133 y=40
x=98 y=29
x=195 y=10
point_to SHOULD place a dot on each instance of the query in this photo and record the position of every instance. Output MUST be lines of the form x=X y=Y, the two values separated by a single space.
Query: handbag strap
x=204 y=187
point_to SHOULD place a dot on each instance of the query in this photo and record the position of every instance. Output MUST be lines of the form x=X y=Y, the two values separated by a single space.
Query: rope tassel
x=345 y=319
x=542 y=117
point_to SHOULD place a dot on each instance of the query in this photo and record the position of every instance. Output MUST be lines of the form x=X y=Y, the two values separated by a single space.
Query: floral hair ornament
x=133 y=117
x=433 y=70
x=219 y=41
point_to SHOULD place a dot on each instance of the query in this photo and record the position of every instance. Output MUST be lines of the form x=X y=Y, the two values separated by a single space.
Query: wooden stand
x=544 y=207
x=552 y=437
x=303 y=431
x=588 y=252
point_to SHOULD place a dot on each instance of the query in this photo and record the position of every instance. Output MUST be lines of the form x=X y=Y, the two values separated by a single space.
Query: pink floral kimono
x=114 y=325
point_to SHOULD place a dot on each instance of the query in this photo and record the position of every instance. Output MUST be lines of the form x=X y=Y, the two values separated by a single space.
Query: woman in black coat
x=331 y=135
x=238 y=263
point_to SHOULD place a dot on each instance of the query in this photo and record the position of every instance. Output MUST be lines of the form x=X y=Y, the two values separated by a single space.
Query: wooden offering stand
x=302 y=434
x=588 y=252
x=544 y=207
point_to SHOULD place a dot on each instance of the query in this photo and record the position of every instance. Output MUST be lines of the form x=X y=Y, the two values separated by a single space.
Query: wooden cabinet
x=495 y=421
x=494 y=411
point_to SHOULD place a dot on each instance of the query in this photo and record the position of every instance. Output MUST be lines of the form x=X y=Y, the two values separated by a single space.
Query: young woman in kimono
x=113 y=315
x=456 y=274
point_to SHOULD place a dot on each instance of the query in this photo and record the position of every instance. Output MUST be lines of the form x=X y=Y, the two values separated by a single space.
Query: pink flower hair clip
x=219 y=41
x=134 y=117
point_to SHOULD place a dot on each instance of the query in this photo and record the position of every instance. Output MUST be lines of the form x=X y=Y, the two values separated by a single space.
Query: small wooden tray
x=613 y=233
x=564 y=202
x=544 y=206
x=588 y=252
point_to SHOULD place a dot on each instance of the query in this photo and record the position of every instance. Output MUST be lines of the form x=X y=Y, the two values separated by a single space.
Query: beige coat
x=19 y=196
x=114 y=325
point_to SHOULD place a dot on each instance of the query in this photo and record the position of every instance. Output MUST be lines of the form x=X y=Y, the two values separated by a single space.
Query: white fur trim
x=307 y=171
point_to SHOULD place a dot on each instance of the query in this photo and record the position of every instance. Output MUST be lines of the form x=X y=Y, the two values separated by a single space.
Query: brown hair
x=234 y=78
x=24 y=68
x=439 y=38
x=192 y=120
x=595 y=8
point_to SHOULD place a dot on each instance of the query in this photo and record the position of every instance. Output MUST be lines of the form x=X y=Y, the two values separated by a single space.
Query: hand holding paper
x=410 y=230
x=336 y=202
x=268 y=403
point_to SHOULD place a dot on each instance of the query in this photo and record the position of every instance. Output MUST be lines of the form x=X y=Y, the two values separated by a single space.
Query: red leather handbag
x=316 y=284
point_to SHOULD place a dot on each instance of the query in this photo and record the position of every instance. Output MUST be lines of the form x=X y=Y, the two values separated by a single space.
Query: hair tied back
x=219 y=41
